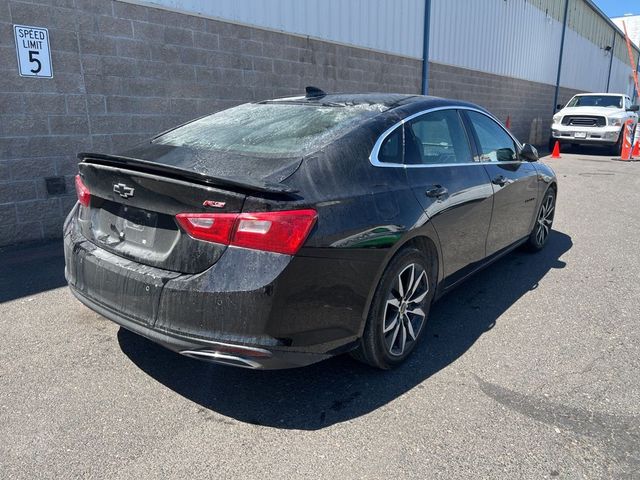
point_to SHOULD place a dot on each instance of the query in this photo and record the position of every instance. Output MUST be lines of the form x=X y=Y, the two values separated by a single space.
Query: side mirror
x=633 y=108
x=559 y=106
x=529 y=153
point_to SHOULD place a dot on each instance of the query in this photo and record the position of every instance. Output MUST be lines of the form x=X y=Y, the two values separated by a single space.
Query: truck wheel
x=616 y=150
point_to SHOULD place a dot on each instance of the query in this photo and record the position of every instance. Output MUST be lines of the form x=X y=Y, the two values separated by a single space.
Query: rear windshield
x=596 y=101
x=270 y=129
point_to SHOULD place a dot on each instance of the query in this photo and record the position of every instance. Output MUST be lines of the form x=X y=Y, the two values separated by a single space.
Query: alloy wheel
x=545 y=219
x=404 y=313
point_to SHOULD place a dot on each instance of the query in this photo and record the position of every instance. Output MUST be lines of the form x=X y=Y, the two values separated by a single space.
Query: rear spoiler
x=247 y=184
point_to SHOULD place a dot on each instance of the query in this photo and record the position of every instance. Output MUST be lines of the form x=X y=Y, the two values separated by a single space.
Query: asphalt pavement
x=529 y=370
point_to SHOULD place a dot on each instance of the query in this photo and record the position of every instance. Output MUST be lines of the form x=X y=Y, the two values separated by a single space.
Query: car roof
x=601 y=94
x=389 y=100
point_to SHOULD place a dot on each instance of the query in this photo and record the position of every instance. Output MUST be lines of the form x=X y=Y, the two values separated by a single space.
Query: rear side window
x=495 y=144
x=276 y=129
x=437 y=138
x=391 y=148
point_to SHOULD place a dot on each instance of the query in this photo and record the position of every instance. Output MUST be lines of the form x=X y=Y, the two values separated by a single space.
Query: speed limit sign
x=34 y=54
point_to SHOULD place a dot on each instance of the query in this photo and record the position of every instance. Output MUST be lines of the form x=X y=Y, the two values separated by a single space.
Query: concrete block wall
x=521 y=100
x=123 y=72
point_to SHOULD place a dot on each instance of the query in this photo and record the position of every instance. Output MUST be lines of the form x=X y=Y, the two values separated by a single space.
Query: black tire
x=383 y=350
x=616 y=150
x=544 y=221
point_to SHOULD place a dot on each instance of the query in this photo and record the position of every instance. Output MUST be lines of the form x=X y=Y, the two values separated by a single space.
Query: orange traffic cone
x=636 y=150
x=626 y=142
x=556 y=150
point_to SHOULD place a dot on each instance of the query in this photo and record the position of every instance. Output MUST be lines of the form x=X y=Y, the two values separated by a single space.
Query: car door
x=453 y=189
x=514 y=182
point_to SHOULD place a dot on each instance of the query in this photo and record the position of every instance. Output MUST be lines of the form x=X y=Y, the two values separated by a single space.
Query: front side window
x=437 y=138
x=495 y=144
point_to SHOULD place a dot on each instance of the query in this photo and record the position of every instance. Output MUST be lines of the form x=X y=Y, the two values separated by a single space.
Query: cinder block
x=99 y=7
x=130 y=11
x=97 y=44
x=26 y=232
x=65 y=62
x=184 y=106
x=34 y=211
x=192 y=56
x=163 y=17
x=44 y=103
x=68 y=124
x=8 y=216
x=76 y=104
x=10 y=191
x=251 y=47
x=102 y=84
x=138 y=105
x=23 y=125
x=52 y=227
x=148 y=31
x=33 y=14
x=119 y=67
x=133 y=49
x=263 y=64
x=207 y=41
x=178 y=36
x=208 y=75
x=116 y=27
x=96 y=104
x=164 y=53
x=110 y=124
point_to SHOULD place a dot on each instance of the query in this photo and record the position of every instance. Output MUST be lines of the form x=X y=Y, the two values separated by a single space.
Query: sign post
x=34 y=54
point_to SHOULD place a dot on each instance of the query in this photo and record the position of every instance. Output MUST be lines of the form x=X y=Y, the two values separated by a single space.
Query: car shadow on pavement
x=341 y=389
x=30 y=269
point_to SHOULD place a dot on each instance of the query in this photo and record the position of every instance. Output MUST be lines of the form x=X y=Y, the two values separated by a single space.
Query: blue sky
x=617 y=8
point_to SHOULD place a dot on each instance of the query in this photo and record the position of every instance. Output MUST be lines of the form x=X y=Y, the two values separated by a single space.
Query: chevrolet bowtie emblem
x=123 y=190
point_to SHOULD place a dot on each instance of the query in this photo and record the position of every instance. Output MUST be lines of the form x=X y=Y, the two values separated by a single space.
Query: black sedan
x=279 y=233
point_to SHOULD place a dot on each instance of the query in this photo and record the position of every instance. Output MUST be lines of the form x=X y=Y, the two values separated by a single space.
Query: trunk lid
x=134 y=202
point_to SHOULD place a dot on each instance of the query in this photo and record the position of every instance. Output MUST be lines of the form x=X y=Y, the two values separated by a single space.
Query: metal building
x=119 y=71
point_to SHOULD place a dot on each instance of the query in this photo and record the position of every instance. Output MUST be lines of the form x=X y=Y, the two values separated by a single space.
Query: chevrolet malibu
x=280 y=233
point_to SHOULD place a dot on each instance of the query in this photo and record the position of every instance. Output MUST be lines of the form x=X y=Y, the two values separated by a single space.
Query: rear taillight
x=212 y=227
x=280 y=232
x=82 y=191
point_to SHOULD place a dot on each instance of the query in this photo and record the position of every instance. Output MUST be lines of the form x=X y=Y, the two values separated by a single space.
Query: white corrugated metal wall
x=514 y=38
x=511 y=38
x=393 y=26
x=584 y=65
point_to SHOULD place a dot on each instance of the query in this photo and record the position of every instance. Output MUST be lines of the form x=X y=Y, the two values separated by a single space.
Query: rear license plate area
x=137 y=226
x=580 y=135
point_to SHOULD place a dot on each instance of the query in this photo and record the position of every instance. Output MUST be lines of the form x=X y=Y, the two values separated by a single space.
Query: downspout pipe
x=425 y=47
x=564 y=31
x=613 y=49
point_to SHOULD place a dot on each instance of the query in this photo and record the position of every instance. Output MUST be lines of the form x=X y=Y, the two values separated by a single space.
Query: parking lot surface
x=529 y=370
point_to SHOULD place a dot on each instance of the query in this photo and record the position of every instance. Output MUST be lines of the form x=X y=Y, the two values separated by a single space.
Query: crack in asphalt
x=620 y=434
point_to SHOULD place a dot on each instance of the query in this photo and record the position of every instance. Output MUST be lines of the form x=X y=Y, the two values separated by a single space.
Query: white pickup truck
x=594 y=119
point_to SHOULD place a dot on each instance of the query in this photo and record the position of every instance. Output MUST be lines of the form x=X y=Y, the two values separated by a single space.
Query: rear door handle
x=437 y=191
x=499 y=180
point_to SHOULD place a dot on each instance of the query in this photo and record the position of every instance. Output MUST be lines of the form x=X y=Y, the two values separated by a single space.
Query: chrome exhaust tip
x=219 y=357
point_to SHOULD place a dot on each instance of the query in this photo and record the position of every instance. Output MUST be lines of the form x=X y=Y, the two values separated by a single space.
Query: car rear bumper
x=250 y=309
x=237 y=355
